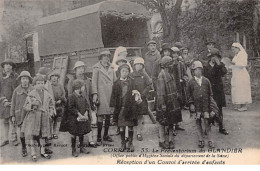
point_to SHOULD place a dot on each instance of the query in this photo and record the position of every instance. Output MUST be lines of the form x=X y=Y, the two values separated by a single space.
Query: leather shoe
x=171 y=145
x=139 y=137
x=223 y=131
x=163 y=145
x=84 y=150
x=107 y=138
x=179 y=128
x=93 y=145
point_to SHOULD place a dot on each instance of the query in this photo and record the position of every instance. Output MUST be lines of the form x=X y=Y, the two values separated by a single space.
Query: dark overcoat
x=201 y=96
x=77 y=104
x=87 y=94
x=123 y=106
x=142 y=83
x=215 y=74
x=7 y=86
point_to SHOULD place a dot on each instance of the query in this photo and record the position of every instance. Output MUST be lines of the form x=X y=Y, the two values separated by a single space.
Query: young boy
x=78 y=116
x=202 y=104
x=167 y=103
x=122 y=102
x=17 y=113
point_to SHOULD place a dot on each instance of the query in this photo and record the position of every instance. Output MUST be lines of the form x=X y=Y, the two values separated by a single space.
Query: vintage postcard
x=129 y=82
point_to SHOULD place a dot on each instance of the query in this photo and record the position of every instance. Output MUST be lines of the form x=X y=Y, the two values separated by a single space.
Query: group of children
x=37 y=110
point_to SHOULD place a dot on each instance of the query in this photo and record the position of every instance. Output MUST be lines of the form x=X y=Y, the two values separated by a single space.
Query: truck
x=81 y=34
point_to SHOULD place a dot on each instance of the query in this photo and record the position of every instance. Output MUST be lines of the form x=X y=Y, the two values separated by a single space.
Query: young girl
x=40 y=107
x=102 y=82
x=121 y=100
x=202 y=105
x=78 y=116
x=17 y=113
x=80 y=69
x=58 y=93
x=167 y=103
x=142 y=83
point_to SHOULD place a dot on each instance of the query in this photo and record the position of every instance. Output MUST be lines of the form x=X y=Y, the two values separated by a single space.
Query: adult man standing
x=7 y=85
x=206 y=53
x=150 y=57
x=214 y=71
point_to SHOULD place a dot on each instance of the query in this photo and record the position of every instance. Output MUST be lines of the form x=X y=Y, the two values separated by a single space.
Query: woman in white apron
x=240 y=81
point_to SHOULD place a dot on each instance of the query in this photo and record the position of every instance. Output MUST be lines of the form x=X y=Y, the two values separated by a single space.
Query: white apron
x=240 y=81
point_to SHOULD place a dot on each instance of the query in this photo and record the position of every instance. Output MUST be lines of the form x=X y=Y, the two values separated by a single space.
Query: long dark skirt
x=78 y=128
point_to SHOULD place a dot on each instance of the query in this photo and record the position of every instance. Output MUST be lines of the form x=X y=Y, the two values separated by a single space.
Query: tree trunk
x=170 y=24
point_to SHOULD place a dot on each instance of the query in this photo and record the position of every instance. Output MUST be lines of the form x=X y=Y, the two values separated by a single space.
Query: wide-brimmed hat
x=79 y=64
x=53 y=73
x=43 y=71
x=121 y=59
x=213 y=52
x=38 y=78
x=175 y=49
x=8 y=61
x=166 y=46
x=124 y=66
x=196 y=64
x=178 y=45
x=151 y=42
x=139 y=60
x=165 y=61
x=25 y=74
x=184 y=48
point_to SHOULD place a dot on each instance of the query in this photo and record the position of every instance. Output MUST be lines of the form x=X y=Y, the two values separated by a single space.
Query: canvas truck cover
x=80 y=29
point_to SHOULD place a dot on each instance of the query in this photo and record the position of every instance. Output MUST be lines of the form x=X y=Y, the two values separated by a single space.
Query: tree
x=169 y=14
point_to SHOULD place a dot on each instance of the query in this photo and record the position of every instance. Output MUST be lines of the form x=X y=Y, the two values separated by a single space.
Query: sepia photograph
x=130 y=82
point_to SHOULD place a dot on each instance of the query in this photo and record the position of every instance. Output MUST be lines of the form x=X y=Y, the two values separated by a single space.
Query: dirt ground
x=243 y=128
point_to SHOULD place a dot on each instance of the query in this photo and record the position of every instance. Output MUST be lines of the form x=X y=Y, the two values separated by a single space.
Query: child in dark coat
x=121 y=100
x=142 y=83
x=202 y=105
x=78 y=117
